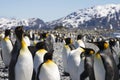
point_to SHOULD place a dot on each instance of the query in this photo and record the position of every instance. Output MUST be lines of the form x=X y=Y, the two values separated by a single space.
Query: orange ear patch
x=91 y=52
x=98 y=55
x=106 y=45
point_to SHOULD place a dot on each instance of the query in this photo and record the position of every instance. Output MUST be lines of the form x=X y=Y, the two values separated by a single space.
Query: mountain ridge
x=31 y=23
x=101 y=16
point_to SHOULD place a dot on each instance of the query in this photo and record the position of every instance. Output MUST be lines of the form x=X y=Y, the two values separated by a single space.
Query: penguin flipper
x=72 y=47
x=84 y=75
x=39 y=68
x=15 y=54
x=34 y=75
x=1 y=55
x=32 y=50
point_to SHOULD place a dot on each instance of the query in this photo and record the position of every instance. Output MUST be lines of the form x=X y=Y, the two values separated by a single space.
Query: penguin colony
x=28 y=55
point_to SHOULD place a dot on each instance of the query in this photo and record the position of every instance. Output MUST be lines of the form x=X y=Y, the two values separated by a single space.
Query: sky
x=47 y=10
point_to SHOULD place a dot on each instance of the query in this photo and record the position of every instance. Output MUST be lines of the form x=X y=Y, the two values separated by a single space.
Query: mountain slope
x=106 y=16
x=31 y=23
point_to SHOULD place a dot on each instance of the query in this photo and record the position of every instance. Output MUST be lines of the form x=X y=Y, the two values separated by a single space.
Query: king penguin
x=21 y=65
x=48 y=70
x=86 y=67
x=111 y=70
x=114 y=49
x=7 y=47
x=73 y=62
x=65 y=54
x=99 y=69
x=39 y=55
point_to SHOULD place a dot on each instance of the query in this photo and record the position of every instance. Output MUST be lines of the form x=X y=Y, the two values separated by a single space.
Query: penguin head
x=102 y=45
x=40 y=45
x=68 y=41
x=79 y=37
x=44 y=35
x=48 y=56
x=19 y=32
x=112 y=42
x=7 y=32
x=87 y=52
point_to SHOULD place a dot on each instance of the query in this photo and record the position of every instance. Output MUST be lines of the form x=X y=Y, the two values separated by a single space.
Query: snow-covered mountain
x=31 y=23
x=105 y=16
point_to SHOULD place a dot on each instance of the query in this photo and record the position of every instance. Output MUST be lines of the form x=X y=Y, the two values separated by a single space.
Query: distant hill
x=105 y=16
x=31 y=23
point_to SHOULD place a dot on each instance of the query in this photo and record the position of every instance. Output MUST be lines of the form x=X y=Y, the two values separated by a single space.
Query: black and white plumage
x=21 y=65
x=66 y=53
x=7 y=47
x=73 y=62
x=39 y=55
x=86 y=64
x=48 y=70
x=111 y=70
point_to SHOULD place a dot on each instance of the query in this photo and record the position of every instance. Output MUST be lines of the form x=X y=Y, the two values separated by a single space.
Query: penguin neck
x=23 y=44
x=42 y=50
x=49 y=61
x=6 y=38
x=81 y=49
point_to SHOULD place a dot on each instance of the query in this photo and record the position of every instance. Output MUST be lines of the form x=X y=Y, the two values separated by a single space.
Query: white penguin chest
x=49 y=72
x=7 y=46
x=38 y=59
x=24 y=65
x=25 y=57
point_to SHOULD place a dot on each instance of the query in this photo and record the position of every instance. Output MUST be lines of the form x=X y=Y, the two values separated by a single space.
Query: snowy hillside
x=107 y=16
x=104 y=16
x=32 y=23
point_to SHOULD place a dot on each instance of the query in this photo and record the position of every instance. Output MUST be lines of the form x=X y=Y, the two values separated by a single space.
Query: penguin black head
x=79 y=37
x=68 y=41
x=102 y=45
x=7 y=32
x=87 y=52
x=48 y=56
x=112 y=42
x=19 y=32
x=40 y=45
x=44 y=35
